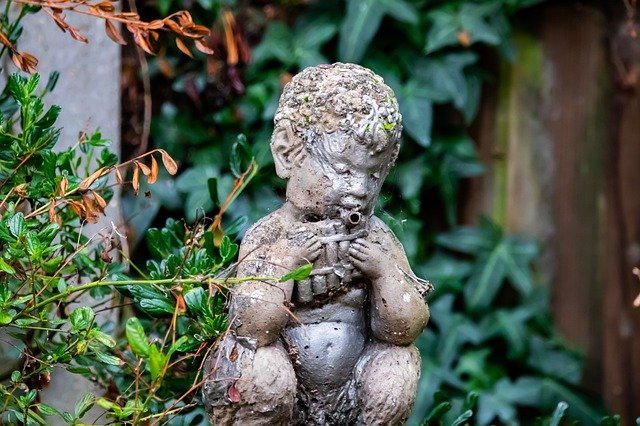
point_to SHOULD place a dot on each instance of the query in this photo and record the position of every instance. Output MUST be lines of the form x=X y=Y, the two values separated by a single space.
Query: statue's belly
x=326 y=352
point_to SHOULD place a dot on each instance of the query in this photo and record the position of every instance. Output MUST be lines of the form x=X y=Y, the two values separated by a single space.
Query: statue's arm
x=399 y=312
x=260 y=308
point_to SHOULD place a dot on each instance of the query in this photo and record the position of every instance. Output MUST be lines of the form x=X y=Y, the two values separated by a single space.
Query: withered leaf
x=155 y=24
x=4 y=40
x=87 y=182
x=52 y=210
x=135 y=182
x=145 y=169
x=203 y=47
x=153 y=176
x=141 y=41
x=105 y=6
x=77 y=35
x=119 y=179
x=102 y=204
x=183 y=47
x=64 y=185
x=29 y=63
x=113 y=32
x=168 y=162
x=91 y=214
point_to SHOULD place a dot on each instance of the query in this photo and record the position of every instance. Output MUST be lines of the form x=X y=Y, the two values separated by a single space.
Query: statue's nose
x=357 y=188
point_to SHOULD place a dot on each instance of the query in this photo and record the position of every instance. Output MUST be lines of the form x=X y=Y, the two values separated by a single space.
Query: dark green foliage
x=490 y=336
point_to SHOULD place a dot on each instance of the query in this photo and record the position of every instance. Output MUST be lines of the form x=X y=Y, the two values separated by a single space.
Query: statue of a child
x=335 y=348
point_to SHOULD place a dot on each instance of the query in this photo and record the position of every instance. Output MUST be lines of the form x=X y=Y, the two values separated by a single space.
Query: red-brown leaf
x=203 y=47
x=113 y=32
x=168 y=162
x=183 y=47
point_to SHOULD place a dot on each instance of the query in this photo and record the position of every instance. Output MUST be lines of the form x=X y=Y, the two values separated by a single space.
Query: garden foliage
x=490 y=353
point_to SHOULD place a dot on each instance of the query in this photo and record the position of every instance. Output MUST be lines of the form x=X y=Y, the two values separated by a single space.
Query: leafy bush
x=491 y=332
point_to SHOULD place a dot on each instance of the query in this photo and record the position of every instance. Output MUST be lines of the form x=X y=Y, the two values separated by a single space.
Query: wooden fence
x=559 y=129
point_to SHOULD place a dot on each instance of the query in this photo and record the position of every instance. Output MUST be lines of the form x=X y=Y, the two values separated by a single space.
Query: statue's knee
x=387 y=384
x=249 y=387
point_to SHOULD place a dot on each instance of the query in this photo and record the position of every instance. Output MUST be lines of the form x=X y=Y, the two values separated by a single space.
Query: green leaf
x=103 y=338
x=157 y=306
x=361 y=22
x=437 y=412
x=83 y=405
x=469 y=240
x=462 y=418
x=137 y=338
x=107 y=359
x=82 y=318
x=487 y=279
x=34 y=247
x=17 y=225
x=227 y=249
x=195 y=299
x=298 y=274
x=157 y=361
x=48 y=410
x=4 y=266
x=558 y=413
x=417 y=113
x=442 y=78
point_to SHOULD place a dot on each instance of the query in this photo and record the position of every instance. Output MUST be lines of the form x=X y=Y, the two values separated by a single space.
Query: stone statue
x=335 y=348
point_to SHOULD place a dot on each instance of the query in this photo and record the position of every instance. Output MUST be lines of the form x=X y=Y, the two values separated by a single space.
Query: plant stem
x=95 y=284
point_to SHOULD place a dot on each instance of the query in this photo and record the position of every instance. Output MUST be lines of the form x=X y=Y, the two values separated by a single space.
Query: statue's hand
x=369 y=258
x=310 y=250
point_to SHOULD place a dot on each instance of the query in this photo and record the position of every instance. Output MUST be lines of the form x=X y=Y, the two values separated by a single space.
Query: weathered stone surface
x=335 y=348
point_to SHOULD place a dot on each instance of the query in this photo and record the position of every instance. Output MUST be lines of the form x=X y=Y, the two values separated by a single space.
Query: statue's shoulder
x=267 y=231
x=381 y=233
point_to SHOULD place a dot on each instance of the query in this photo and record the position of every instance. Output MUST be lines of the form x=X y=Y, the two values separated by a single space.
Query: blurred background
x=517 y=190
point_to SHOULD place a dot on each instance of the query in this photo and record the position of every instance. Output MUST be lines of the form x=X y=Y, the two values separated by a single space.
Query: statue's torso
x=326 y=341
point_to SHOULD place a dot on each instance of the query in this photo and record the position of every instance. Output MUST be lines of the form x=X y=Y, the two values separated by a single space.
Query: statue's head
x=337 y=134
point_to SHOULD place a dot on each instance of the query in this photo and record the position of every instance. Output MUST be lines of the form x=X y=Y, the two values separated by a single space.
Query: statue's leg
x=387 y=379
x=245 y=386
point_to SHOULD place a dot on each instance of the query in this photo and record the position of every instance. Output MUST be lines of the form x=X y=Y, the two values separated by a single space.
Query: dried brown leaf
x=169 y=163
x=52 y=210
x=91 y=214
x=128 y=16
x=153 y=176
x=113 y=32
x=59 y=20
x=78 y=208
x=102 y=204
x=141 y=41
x=203 y=47
x=17 y=59
x=87 y=182
x=77 y=35
x=106 y=6
x=119 y=179
x=173 y=26
x=155 y=24
x=145 y=169
x=183 y=47
x=29 y=63
x=64 y=185
x=135 y=182
x=4 y=40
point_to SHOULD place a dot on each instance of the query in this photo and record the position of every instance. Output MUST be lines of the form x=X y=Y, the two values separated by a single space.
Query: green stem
x=95 y=284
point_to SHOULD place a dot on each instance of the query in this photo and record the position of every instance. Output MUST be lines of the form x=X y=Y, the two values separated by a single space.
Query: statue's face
x=340 y=175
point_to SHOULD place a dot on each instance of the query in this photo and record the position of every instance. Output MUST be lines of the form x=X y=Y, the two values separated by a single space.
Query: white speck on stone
x=406 y=297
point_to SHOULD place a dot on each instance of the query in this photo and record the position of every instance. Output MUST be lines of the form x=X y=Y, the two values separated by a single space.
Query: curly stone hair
x=345 y=97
